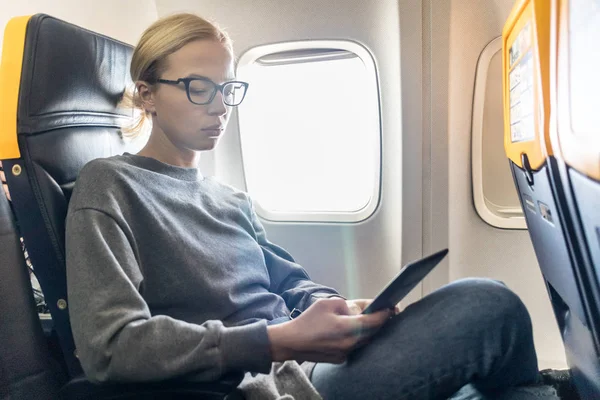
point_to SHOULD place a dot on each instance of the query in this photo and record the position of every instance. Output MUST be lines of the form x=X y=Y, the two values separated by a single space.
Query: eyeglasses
x=202 y=90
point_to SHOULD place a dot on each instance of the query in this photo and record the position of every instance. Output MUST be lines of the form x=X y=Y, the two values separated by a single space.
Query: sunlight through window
x=310 y=135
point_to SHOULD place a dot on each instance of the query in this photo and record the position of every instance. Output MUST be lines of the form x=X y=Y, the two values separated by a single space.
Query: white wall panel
x=476 y=248
x=122 y=20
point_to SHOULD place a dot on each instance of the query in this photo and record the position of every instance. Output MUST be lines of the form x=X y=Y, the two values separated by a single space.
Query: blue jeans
x=470 y=331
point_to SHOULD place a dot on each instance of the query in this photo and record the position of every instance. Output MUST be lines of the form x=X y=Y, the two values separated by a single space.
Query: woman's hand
x=357 y=306
x=326 y=332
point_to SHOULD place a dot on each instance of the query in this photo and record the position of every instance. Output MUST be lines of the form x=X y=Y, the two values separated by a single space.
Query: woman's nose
x=217 y=106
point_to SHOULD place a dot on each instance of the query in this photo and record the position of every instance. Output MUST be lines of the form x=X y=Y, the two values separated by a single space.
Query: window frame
x=248 y=58
x=510 y=218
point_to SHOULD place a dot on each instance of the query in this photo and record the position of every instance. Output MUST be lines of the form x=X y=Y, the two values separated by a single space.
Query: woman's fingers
x=374 y=320
x=327 y=331
x=357 y=306
x=356 y=328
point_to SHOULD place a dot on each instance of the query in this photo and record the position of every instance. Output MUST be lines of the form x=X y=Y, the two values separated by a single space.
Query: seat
x=528 y=123
x=575 y=145
x=59 y=89
x=27 y=370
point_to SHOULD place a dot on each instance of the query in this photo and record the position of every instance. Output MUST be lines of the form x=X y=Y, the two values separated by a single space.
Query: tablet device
x=404 y=282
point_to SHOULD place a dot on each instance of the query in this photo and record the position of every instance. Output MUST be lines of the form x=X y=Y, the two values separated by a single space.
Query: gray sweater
x=170 y=274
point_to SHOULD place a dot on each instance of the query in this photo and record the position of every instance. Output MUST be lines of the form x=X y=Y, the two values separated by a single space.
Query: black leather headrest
x=70 y=77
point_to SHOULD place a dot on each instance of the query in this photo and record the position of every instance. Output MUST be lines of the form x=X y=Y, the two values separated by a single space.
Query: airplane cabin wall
x=478 y=249
x=122 y=20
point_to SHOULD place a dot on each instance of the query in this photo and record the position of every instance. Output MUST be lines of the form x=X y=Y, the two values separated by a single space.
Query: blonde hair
x=159 y=40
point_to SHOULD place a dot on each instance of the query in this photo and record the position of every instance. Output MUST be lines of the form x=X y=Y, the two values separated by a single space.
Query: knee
x=490 y=299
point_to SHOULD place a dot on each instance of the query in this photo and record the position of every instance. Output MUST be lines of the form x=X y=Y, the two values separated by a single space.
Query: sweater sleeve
x=117 y=337
x=288 y=279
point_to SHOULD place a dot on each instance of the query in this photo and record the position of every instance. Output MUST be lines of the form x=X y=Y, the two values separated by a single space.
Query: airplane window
x=310 y=134
x=494 y=193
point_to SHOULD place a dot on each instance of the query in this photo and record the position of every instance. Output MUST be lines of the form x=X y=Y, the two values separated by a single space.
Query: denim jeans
x=471 y=331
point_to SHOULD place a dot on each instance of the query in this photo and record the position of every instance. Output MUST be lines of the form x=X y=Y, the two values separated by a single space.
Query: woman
x=186 y=284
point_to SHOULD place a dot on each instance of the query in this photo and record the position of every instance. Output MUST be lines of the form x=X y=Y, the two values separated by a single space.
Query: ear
x=146 y=96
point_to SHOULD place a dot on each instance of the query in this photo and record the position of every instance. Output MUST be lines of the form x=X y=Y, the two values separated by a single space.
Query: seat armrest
x=80 y=388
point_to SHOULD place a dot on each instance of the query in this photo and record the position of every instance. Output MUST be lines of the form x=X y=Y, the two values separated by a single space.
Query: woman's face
x=188 y=126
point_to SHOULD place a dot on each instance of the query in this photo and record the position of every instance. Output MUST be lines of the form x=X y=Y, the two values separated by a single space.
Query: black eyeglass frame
x=219 y=88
